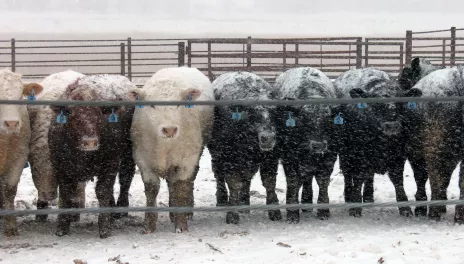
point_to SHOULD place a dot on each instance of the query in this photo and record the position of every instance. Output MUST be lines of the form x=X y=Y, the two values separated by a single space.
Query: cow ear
x=413 y=92
x=415 y=63
x=28 y=88
x=136 y=94
x=357 y=93
x=56 y=108
x=190 y=93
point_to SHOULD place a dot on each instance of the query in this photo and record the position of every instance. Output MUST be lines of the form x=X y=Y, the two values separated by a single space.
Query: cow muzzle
x=267 y=141
x=90 y=144
x=391 y=128
x=318 y=147
x=11 y=126
x=169 y=131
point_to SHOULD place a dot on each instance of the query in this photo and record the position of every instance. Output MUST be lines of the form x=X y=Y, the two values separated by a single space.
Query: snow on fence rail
x=138 y=59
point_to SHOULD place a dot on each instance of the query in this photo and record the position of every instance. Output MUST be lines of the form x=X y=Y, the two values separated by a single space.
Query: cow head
x=166 y=120
x=418 y=69
x=84 y=123
x=12 y=88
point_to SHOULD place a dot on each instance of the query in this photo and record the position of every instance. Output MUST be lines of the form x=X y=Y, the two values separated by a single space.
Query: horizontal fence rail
x=261 y=207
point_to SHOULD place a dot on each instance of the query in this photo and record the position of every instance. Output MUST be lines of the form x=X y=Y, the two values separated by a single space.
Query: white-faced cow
x=169 y=140
x=92 y=142
x=15 y=135
x=243 y=141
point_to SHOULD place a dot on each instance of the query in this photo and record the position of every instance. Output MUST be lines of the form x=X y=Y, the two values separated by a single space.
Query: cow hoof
x=61 y=233
x=11 y=232
x=436 y=212
x=171 y=217
x=323 y=214
x=181 y=227
x=232 y=218
x=41 y=218
x=149 y=227
x=105 y=234
x=420 y=211
x=307 y=210
x=190 y=216
x=293 y=217
x=245 y=212
x=459 y=219
x=76 y=218
x=275 y=215
x=120 y=215
x=406 y=211
x=356 y=212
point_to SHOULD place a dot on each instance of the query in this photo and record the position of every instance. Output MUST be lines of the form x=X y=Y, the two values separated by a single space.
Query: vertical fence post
x=408 y=45
x=129 y=58
x=297 y=49
x=366 y=53
x=359 y=52
x=181 y=54
x=284 y=57
x=189 y=53
x=13 y=55
x=210 y=73
x=453 y=47
x=443 y=54
x=401 y=57
x=248 y=53
x=123 y=59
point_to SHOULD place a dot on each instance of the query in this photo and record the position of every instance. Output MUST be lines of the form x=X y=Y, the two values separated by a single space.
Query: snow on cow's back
x=442 y=83
x=304 y=83
x=56 y=84
x=241 y=85
x=369 y=79
x=166 y=83
x=11 y=86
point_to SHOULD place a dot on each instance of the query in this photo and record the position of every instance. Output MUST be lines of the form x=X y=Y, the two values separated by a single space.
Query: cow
x=412 y=73
x=40 y=118
x=90 y=141
x=436 y=137
x=15 y=135
x=242 y=142
x=373 y=135
x=168 y=140
x=306 y=136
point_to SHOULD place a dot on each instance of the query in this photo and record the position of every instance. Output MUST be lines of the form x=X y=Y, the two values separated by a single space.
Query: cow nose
x=90 y=144
x=11 y=124
x=318 y=146
x=169 y=132
x=391 y=128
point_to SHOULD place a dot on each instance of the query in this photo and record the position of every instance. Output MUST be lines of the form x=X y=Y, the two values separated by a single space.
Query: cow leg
x=307 y=192
x=268 y=172
x=323 y=181
x=348 y=192
x=244 y=198
x=126 y=175
x=151 y=192
x=180 y=191
x=293 y=186
x=235 y=183
x=368 y=190
x=191 y=199
x=10 y=227
x=80 y=199
x=396 y=177
x=439 y=182
x=67 y=193
x=222 y=197
x=41 y=204
x=420 y=176
x=105 y=191
x=356 y=196
x=459 y=214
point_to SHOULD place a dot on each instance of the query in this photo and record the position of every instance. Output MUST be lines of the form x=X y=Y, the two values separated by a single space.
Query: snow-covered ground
x=381 y=234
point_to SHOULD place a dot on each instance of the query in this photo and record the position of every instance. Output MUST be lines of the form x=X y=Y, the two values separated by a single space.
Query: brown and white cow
x=15 y=134
x=169 y=140
x=89 y=146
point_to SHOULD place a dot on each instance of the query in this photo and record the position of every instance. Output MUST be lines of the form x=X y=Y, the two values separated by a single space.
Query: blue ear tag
x=412 y=105
x=61 y=118
x=362 y=105
x=31 y=97
x=338 y=120
x=189 y=99
x=236 y=115
x=290 y=121
x=138 y=106
x=113 y=118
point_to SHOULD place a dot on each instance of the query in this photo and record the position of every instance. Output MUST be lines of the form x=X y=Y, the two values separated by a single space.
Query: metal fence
x=140 y=58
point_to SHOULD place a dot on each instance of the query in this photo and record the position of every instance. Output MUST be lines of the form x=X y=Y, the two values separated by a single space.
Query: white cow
x=15 y=134
x=168 y=140
x=41 y=117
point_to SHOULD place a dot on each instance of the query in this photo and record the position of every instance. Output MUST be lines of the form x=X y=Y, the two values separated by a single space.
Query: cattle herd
x=70 y=145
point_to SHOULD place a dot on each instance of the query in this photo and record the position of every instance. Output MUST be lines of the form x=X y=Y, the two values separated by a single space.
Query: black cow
x=306 y=136
x=242 y=142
